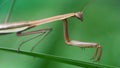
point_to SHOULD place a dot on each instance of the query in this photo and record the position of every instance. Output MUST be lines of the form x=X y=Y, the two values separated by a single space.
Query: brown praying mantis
x=20 y=27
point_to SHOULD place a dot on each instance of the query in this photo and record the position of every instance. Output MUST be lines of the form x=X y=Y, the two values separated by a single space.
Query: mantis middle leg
x=40 y=32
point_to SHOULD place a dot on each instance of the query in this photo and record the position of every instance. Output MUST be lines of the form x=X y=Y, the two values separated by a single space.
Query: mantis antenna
x=86 y=5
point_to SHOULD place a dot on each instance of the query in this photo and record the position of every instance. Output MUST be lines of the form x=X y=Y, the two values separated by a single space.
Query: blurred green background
x=101 y=24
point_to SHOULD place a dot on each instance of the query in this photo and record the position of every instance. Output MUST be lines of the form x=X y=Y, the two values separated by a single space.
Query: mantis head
x=79 y=15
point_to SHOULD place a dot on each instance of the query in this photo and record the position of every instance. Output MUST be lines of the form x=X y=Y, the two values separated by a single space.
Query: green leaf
x=60 y=59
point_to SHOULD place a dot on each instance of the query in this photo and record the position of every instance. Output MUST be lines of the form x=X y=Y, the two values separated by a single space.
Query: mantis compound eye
x=79 y=15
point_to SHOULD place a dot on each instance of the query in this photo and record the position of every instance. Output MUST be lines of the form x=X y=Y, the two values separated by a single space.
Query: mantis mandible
x=20 y=27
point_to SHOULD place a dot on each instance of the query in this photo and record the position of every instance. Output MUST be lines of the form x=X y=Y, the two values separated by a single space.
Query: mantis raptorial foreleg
x=43 y=32
x=81 y=44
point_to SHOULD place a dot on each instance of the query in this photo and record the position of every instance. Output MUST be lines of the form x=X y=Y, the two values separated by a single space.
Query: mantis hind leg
x=43 y=32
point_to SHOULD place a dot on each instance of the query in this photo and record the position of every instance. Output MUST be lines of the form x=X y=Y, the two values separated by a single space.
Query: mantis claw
x=81 y=44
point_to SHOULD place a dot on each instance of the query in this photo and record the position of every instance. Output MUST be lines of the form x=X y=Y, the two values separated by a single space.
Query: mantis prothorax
x=20 y=27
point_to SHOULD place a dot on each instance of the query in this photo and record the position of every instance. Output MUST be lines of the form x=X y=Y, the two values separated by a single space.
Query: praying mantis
x=20 y=27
